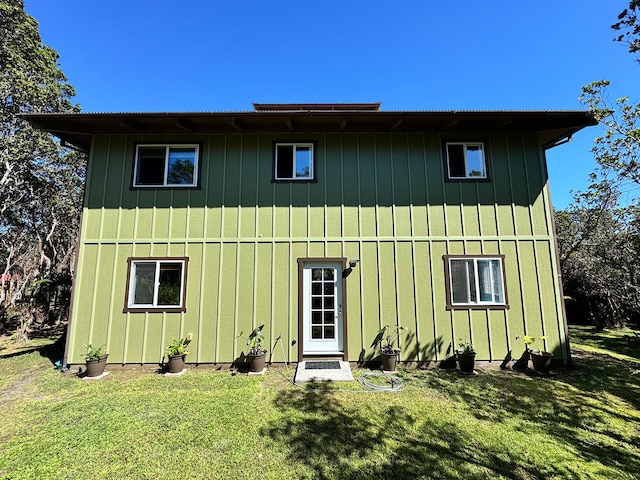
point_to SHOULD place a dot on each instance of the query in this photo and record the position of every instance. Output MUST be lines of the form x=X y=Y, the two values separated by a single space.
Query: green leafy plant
x=386 y=337
x=94 y=353
x=178 y=347
x=532 y=341
x=465 y=346
x=254 y=340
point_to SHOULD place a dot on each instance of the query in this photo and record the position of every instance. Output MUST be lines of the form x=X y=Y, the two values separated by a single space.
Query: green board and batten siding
x=381 y=198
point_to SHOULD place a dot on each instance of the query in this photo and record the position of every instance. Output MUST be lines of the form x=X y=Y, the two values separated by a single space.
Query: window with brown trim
x=475 y=281
x=156 y=284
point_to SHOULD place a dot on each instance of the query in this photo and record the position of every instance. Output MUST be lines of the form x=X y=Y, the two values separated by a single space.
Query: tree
x=40 y=182
x=599 y=235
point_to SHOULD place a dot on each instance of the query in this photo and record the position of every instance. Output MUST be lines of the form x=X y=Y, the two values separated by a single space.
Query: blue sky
x=205 y=55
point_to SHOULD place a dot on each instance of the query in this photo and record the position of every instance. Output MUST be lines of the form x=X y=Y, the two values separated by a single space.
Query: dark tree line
x=40 y=182
x=599 y=234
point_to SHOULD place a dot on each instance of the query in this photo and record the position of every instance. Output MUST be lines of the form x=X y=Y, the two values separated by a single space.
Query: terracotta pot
x=176 y=363
x=95 y=368
x=466 y=362
x=541 y=361
x=389 y=361
x=257 y=362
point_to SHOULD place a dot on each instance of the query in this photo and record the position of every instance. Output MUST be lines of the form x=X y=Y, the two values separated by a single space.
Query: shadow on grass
x=52 y=351
x=624 y=342
x=359 y=441
x=337 y=437
x=576 y=407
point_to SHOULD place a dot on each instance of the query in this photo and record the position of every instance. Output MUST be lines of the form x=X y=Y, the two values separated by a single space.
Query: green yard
x=211 y=424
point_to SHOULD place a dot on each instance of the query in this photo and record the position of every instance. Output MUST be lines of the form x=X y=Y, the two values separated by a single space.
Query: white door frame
x=322 y=300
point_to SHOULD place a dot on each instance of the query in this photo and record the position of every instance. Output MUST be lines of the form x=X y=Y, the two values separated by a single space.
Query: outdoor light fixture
x=354 y=262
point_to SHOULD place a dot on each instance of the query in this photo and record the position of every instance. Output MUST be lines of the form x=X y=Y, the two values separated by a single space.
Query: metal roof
x=78 y=128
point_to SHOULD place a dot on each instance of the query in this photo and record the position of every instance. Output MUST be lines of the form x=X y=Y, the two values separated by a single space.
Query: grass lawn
x=210 y=424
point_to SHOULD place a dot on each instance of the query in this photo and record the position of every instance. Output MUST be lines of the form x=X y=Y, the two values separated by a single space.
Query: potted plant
x=175 y=353
x=95 y=360
x=386 y=337
x=257 y=354
x=541 y=359
x=466 y=356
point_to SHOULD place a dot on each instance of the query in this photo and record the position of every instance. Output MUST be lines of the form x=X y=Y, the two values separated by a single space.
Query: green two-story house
x=322 y=222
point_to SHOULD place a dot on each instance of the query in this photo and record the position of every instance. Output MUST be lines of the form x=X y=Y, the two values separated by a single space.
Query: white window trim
x=132 y=284
x=295 y=145
x=478 y=302
x=467 y=144
x=167 y=147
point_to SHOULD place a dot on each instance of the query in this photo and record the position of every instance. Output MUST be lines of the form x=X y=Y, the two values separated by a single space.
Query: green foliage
x=628 y=25
x=94 y=353
x=40 y=182
x=533 y=341
x=599 y=234
x=386 y=338
x=178 y=347
x=465 y=346
x=254 y=340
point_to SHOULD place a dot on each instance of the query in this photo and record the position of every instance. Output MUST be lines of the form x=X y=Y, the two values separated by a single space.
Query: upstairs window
x=475 y=282
x=294 y=161
x=166 y=166
x=156 y=284
x=466 y=160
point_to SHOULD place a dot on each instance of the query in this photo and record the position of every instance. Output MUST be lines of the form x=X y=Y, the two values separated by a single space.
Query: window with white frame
x=155 y=283
x=294 y=161
x=162 y=165
x=475 y=281
x=466 y=160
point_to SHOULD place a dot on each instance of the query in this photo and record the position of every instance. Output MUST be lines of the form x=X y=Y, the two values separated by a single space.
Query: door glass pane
x=329 y=274
x=328 y=318
x=316 y=318
x=316 y=333
x=316 y=289
x=329 y=332
x=316 y=303
x=316 y=274
x=328 y=303
x=328 y=288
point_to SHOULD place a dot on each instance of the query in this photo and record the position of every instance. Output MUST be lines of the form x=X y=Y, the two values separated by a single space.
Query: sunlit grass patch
x=217 y=424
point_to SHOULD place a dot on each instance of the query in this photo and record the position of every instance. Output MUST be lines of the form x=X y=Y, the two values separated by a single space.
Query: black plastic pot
x=466 y=362
x=541 y=361
x=389 y=361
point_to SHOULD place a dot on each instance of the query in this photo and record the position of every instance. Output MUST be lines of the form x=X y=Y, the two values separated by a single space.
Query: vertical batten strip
x=413 y=252
x=104 y=190
x=433 y=298
x=515 y=232
x=426 y=183
x=205 y=221
x=222 y=250
x=360 y=277
x=530 y=200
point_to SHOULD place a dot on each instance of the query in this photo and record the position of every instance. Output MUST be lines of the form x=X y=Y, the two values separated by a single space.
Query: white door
x=322 y=306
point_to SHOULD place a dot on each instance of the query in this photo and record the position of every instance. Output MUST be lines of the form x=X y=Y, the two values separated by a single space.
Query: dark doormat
x=326 y=365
